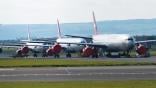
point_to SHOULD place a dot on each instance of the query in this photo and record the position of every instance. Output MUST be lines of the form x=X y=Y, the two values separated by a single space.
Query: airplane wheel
x=95 y=56
x=68 y=55
x=57 y=56
x=44 y=55
x=35 y=55
x=109 y=54
x=119 y=55
x=128 y=56
x=1 y=50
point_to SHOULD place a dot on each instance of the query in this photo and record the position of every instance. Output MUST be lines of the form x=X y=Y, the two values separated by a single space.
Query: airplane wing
x=146 y=41
x=20 y=45
x=78 y=37
x=11 y=45
x=86 y=44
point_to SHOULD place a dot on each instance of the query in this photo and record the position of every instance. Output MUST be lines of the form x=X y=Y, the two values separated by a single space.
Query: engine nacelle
x=141 y=49
x=49 y=52
x=25 y=50
x=56 y=49
x=87 y=51
x=19 y=52
x=22 y=51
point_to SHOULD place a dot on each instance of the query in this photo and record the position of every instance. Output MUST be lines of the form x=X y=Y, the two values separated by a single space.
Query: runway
x=79 y=73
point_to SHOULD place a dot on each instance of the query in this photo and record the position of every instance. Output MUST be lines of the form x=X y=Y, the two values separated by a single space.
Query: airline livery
x=112 y=43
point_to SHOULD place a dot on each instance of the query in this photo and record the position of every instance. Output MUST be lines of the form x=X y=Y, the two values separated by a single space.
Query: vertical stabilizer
x=58 y=28
x=29 y=39
x=95 y=25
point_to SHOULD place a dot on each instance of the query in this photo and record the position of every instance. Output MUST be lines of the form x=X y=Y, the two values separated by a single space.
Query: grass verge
x=21 y=62
x=81 y=84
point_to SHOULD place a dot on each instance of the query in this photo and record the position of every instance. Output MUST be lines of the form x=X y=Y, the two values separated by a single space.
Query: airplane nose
x=131 y=43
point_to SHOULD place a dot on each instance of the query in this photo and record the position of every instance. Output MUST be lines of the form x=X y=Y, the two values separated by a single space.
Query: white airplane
x=36 y=46
x=69 y=48
x=112 y=43
x=25 y=46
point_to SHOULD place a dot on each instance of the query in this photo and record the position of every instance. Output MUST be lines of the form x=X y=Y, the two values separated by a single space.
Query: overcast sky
x=47 y=11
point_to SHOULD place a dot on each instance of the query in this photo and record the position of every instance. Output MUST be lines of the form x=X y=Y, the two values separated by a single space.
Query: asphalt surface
x=143 y=59
x=79 y=73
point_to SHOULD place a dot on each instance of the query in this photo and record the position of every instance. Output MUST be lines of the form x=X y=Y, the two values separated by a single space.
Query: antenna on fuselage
x=94 y=24
x=58 y=28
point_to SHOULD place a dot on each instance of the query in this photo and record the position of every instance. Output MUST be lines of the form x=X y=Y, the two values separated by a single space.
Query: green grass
x=81 y=84
x=152 y=53
x=23 y=62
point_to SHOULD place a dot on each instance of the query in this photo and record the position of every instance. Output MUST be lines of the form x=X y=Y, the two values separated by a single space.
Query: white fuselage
x=36 y=46
x=71 y=47
x=114 y=42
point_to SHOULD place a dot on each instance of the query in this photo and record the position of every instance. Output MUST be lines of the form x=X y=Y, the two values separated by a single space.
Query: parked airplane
x=25 y=46
x=69 y=48
x=112 y=43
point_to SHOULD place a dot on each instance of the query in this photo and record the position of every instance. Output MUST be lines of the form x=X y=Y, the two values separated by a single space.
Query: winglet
x=58 y=28
x=95 y=25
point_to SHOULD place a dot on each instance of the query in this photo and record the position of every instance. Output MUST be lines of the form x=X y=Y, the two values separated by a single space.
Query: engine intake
x=22 y=51
x=141 y=49
x=25 y=50
x=55 y=49
x=87 y=51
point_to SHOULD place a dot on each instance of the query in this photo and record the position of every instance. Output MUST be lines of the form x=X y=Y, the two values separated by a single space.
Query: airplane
x=69 y=48
x=25 y=46
x=112 y=43
x=55 y=49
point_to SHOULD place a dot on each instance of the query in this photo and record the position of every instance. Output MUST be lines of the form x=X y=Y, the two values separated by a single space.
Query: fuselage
x=115 y=42
x=36 y=45
x=71 y=47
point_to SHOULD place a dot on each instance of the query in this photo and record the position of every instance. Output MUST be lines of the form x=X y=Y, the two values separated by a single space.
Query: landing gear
x=109 y=54
x=95 y=52
x=95 y=56
x=35 y=54
x=68 y=55
x=1 y=50
x=119 y=55
x=126 y=54
x=44 y=55
x=56 y=56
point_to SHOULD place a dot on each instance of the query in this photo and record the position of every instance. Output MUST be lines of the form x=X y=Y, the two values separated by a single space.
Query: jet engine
x=141 y=50
x=49 y=51
x=87 y=51
x=19 y=52
x=56 y=49
x=25 y=50
x=22 y=51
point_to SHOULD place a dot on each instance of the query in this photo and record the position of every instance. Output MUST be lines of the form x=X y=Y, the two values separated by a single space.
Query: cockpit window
x=83 y=41
x=130 y=39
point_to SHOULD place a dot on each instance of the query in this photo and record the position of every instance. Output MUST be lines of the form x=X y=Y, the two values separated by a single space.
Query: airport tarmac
x=136 y=59
x=79 y=73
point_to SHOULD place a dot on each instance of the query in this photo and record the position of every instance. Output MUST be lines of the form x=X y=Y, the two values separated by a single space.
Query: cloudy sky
x=47 y=11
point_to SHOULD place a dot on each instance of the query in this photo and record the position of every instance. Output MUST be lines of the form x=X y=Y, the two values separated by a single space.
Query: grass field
x=81 y=84
x=25 y=62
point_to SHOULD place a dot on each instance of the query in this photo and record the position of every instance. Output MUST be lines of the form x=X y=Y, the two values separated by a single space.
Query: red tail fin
x=58 y=28
x=95 y=25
